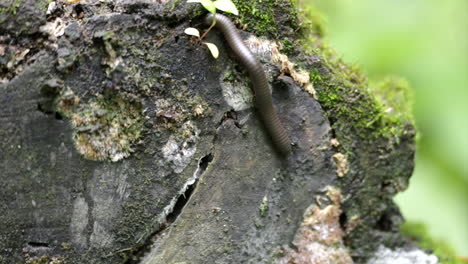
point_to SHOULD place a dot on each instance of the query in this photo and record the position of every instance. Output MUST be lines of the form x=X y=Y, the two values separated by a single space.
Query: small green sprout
x=192 y=32
x=223 y=5
x=212 y=47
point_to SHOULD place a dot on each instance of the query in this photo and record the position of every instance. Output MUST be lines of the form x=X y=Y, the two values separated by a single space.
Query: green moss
x=66 y=246
x=372 y=123
x=351 y=106
x=311 y=21
x=135 y=212
x=418 y=233
x=395 y=97
x=259 y=15
x=263 y=208
x=394 y=101
x=43 y=4
x=107 y=127
x=174 y=4
x=45 y=260
x=288 y=45
x=10 y=8
x=137 y=221
x=355 y=108
x=66 y=103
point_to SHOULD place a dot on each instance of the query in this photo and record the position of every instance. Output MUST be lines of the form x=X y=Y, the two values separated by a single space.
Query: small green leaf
x=192 y=32
x=213 y=49
x=226 y=6
x=207 y=4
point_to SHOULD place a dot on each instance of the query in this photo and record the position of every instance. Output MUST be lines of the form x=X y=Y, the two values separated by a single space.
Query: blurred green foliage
x=418 y=233
x=426 y=42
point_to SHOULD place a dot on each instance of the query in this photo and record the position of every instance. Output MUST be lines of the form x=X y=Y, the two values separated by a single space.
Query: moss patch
x=107 y=127
x=259 y=15
x=43 y=4
x=181 y=107
x=311 y=21
x=394 y=99
x=418 y=233
x=375 y=130
x=10 y=7
x=263 y=208
x=353 y=108
x=45 y=260
x=381 y=109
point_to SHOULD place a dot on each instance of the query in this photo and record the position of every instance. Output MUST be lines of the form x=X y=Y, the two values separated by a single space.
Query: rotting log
x=123 y=141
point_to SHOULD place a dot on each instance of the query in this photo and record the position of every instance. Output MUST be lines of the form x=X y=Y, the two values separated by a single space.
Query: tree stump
x=124 y=141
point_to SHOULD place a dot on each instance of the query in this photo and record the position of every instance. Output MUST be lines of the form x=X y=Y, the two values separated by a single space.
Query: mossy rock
x=131 y=144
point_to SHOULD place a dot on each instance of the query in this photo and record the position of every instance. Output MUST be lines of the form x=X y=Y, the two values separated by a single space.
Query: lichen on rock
x=45 y=260
x=107 y=127
x=236 y=91
x=341 y=162
x=270 y=51
x=175 y=110
x=319 y=239
x=179 y=149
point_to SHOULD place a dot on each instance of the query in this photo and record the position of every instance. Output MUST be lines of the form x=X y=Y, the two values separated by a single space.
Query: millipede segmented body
x=263 y=100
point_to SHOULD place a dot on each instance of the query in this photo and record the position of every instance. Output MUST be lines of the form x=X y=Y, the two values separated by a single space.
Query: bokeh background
x=426 y=42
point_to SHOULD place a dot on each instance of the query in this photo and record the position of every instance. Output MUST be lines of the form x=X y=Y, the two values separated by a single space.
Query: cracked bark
x=124 y=142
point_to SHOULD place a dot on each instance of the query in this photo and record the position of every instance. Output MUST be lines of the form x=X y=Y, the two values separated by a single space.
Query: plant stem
x=208 y=30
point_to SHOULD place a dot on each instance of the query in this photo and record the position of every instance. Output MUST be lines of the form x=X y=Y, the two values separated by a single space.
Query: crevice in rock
x=18 y=52
x=58 y=116
x=230 y=115
x=390 y=220
x=38 y=244
x=79 y=11
x=172 y=211
x=343 y=220
x=184 y=197
x=45 y=108
x=180 y=204
x=49 y=93
x=384 y=223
